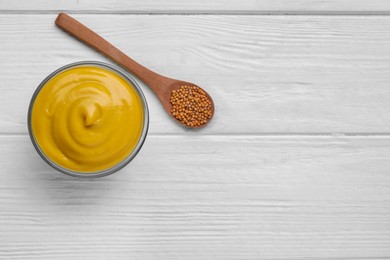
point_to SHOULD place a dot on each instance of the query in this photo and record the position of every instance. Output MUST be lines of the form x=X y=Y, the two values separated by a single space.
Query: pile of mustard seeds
x=191 y=106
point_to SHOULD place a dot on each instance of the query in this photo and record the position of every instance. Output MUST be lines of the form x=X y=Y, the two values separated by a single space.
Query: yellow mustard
x=87 y=119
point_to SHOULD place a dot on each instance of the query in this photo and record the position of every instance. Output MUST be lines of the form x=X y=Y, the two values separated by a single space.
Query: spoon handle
x=92 y=39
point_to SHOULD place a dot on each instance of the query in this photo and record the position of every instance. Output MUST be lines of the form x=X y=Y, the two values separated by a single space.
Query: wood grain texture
x=267 y=74
x=252 y=185
x=198 y=6
x=236 y=198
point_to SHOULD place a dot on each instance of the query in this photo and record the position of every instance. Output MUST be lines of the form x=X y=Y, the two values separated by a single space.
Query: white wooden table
x=295 y=164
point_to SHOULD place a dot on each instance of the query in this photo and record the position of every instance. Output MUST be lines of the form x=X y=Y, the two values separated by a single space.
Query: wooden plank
x=234 y=198
x=279 y=74
x=198 y=6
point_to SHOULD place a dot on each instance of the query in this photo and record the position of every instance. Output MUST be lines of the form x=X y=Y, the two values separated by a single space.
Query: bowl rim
x=126 y=76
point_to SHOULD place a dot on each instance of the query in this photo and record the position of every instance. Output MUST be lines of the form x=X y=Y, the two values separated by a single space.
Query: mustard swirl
x=87 y=119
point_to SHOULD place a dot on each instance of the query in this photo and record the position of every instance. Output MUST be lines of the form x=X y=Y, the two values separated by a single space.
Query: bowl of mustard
x=88 y=119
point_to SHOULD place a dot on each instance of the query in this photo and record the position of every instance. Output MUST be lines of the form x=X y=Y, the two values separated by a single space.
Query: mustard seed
x=190 y=105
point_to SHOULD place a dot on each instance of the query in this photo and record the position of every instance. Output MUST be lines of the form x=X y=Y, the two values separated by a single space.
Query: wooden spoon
x=160 y=85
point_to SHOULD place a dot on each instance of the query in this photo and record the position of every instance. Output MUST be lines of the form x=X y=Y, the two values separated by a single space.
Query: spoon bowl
x=164 y=95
